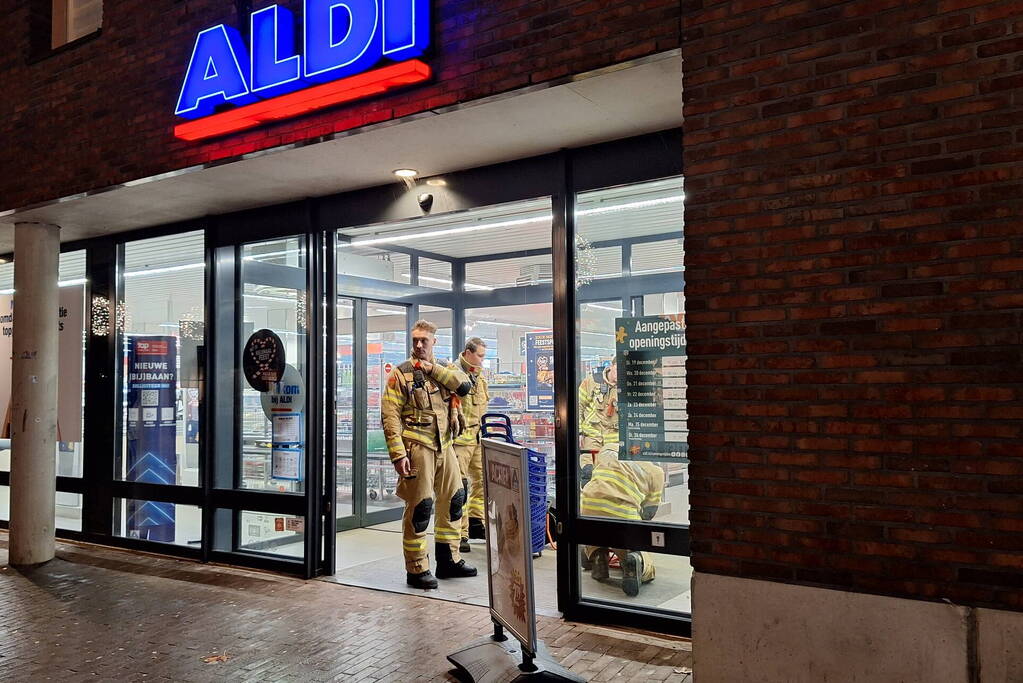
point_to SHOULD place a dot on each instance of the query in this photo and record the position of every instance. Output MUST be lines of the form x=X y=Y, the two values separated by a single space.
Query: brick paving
x=97 y=614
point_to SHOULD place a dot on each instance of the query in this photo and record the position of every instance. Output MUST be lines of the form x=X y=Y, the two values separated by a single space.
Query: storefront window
x=275 y=298
x=603 y=578
x=519 y=369
x=272 y=534
x=70 y=321
x=157 y=521
x=162 y=322
x=631 y=364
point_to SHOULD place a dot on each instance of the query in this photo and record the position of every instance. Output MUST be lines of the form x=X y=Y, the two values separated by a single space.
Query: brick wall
x=854 y=281
x=102 y=112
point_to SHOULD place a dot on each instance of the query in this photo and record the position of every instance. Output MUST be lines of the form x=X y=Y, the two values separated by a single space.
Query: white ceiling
x=598 y=107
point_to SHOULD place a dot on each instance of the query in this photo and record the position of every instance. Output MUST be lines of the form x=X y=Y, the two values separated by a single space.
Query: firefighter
x=622 y=490
x=468 y=447
x=421 y=416
x=598 y=416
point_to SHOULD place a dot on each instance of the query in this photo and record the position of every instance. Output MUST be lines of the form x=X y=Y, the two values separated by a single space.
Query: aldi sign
x=350 y=49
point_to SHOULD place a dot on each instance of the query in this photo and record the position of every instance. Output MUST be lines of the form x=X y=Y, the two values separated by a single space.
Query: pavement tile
x=99 y=614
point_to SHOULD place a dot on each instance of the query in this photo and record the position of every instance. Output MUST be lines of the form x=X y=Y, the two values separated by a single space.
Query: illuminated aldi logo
x=350 y=49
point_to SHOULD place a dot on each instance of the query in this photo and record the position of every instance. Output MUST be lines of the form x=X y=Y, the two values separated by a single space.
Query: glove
x=456 y=421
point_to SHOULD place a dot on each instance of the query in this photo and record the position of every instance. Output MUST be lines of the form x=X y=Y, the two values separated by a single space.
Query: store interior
x=487 y=271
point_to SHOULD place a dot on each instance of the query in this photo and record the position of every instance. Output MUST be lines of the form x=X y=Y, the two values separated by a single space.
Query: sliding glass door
x=371 y=339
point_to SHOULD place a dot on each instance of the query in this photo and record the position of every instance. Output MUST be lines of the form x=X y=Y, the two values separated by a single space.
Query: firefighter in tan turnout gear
x=598 y=417
x=468 y=447
x=421 y=416
x=628 y=491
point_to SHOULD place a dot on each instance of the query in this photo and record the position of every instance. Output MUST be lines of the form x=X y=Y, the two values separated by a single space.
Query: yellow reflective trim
x=612 y=509
x=620 y=482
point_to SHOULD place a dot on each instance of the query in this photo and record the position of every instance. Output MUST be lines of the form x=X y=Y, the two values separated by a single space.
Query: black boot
x=476 y=528
x=632 y=574
x=422 y=580
x=447 y=568
x=463 y=546
x=599 y=569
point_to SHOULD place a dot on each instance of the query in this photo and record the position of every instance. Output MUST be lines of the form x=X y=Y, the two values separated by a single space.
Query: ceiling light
x=406 y=173
x=546 y=218
x=436 y=182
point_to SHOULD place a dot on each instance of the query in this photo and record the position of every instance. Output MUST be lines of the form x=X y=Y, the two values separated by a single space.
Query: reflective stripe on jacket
x=622 y=489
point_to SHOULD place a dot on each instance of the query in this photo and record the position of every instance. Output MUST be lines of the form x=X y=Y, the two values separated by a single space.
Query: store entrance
x=483 y=273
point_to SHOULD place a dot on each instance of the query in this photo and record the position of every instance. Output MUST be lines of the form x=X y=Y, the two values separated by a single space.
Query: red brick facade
x=854 y=283
x=101 y=113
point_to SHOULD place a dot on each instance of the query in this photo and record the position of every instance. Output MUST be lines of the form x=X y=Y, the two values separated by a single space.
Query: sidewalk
x=97 y=614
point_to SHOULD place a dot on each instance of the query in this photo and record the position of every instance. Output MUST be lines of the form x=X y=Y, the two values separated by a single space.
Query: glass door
x=629 y=525
x=267 y=446
x=372 y=338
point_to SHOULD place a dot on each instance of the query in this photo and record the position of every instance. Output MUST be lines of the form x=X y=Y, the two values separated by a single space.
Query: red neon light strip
x=303 y=101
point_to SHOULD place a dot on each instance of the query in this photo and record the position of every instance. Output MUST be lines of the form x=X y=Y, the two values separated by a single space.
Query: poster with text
x=540 y=371
x=152 y=431
x=509 y=548
x=70 y=320
x=651 y=353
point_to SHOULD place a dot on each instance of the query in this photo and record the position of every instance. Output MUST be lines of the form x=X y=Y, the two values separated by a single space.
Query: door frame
x=361 y=517
x=224 y=499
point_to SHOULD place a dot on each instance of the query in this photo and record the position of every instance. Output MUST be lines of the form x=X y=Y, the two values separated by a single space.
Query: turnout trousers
x=470 y=464
x=433 y=491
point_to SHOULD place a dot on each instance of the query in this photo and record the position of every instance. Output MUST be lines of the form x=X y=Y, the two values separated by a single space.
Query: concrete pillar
x=34 y=393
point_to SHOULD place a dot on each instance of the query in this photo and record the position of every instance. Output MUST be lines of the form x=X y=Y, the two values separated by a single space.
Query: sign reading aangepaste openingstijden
x=350 y=49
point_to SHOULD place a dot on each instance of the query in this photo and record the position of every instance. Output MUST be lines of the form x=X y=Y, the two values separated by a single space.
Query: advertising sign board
x=651 y=353
x=152 y=431
x=540 y=371
x=509 y=548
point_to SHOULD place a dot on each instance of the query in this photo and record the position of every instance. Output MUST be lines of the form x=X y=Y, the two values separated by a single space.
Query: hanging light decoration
x=302 y=310
x=585 y=261
x=192 y=324
x=100 y=316
x=123 y=318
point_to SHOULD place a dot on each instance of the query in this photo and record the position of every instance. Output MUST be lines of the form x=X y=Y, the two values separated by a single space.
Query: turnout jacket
x=626 y=490
x=598 y=408
x=474 y=405
x=421 y=407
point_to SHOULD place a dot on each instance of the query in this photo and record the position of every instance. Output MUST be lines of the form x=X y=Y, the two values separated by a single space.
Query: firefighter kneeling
x=622 y=490
x=421 y=415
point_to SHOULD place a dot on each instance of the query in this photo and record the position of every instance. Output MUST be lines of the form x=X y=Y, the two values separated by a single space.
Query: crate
x=538 y=499
x=498 y=426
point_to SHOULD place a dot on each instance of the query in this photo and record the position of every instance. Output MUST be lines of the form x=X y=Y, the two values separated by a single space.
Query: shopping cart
x=498 y=426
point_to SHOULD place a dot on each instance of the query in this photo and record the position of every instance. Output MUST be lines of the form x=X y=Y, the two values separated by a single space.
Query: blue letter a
x=215 y=74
